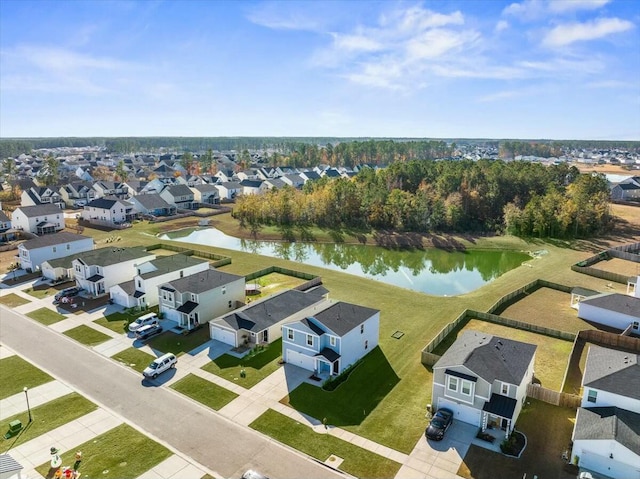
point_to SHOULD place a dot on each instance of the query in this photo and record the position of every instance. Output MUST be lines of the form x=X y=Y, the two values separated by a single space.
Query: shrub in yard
x=333 y=382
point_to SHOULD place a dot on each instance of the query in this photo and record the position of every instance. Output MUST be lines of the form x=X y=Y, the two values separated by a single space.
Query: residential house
x=98 y=270
x=274 y=184
x=41 y=195
x=142 y=290
x=615 y=310
x=294 y=180
x=6 y=231
x=252 y=187
x=110 y=188
x=228 y=190
x=180 y=196
x=39 y=219
x=606 y=434
x=483 y=379
x=332 y=339
x=200 y=297
x=135 y=187
x=205 y=193
x=261 y=321
x=108 y=211
x=309 y=175
x=77 y=194
x=152 y=204
x=34 y=252
x=625 y=191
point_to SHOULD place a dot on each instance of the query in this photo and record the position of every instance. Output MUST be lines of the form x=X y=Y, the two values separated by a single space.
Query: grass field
x=46 y=316
x=256 y=367
x=12 y=300
x=118 y=322
x=357 y=461
x=44 y=290
x=179 y=344
x=203 y=391
x=47 y=417
x=16 y=374
x=134 y=358
x=122 y=453
x=273 y=283
x=86 y=335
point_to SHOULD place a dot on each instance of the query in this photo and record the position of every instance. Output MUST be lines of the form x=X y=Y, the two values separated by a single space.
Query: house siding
x=35 y=257
x=606 y=398
x=604 y=316
x=596 y=456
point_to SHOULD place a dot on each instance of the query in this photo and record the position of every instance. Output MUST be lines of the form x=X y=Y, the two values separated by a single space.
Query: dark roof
x=343 y=317
x=500 y=405
x=619 y=303
x=629 y=186
x=601 y=423
x=203 y=281
x=138 y=294
x=265 y=313
x=584 y=291
x=614 y=371
x=311 y=175
x=111 y=255
x=490 y=357
x=179 y=190
x=187 y=307
x=329 y=354
x=174 y=262
x=53 y=240
x=34 y=197
x=312 y=326
x=105 y=202
x=251 y=183
x=230 y=185
x=277 y=182
x=94 y=278
x=151 y=201
x=3 y=217
x=39 y=210
x=205 y=188
x=468 y=377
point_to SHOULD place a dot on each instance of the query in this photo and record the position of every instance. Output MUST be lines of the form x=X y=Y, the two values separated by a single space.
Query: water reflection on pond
x=429 y=271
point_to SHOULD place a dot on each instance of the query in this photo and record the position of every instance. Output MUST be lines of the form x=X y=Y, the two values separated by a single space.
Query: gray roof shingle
x=343 y=317
x=53 y=240
x=614 y=371
x=39 y=210
x=203 y=281
x=601 y=423
x=619 y=303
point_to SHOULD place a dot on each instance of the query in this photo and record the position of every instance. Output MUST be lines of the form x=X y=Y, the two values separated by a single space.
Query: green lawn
x=357 y=461
x=256 y=368
x=134 y=358
x=12 y=300
x=119 y=321
x=179 y=344
x=353 y=400
x=44 y=290
x=273 y=283
x=16 y=374
x=46 y=316
x=536 y=420
x=87 y=336
x=203 y=391
x=122 y=453
x=47 y=417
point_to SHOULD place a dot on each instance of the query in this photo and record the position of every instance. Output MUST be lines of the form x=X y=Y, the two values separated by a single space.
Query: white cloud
x=535 y=9
x=285 y=16
x=356 y=43
x=501 y=26
x=527 y=10
x=501 y=95
x=610 y=84
x=569 y=33
x=562 y=6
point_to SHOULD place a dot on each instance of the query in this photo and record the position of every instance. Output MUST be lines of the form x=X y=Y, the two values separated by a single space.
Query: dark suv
x=440 y=422
x=67 y=293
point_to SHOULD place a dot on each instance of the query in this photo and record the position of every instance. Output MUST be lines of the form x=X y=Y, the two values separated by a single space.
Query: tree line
x=522 y=198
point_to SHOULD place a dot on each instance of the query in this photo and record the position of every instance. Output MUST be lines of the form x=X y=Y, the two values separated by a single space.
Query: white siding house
x=35 y=252
x=39 y=219
x=615 y=310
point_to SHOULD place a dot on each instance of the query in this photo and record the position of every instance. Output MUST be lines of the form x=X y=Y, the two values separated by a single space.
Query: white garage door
x=224 y=336
x=300 y=360
x=604 y=465
x=461 y=412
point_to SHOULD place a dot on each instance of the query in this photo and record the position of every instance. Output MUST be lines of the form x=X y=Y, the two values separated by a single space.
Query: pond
x=431 y=271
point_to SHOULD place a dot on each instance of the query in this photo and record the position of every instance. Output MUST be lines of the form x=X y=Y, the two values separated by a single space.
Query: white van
x=160 y=365
x=146 y=320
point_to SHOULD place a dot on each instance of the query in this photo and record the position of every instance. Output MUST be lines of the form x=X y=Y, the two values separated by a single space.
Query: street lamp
x=28 y=407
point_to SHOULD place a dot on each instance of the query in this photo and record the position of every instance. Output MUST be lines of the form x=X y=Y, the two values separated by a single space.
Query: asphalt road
x=217 y=443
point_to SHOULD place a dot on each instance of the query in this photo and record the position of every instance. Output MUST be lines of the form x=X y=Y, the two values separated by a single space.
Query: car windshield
x=437 y=422
x=153 y=365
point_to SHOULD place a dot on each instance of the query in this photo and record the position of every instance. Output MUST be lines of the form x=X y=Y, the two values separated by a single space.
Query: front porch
x=327 y=362
x=497 y=414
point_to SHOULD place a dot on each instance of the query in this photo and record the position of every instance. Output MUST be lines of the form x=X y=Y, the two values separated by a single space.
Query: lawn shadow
x=353 y=400
x=161 y=380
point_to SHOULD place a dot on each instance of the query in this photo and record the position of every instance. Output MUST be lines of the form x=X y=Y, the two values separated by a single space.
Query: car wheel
x=173 y=366
x=155 y=376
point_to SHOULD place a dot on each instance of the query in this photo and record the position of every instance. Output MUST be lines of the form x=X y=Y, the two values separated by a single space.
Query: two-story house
x=6 y=231
x=152 y=204
x=34 y=252
x=110 y=188
x=180 y=196
x=98 y=270
x=39 y=219
x=77 y=194
x=41 y=195
x=332 y=339
x=261 y=322
x=108 y=210
x=253 y=187
x=206 y=193
x=228 y=190
x=142 y=290
x=483 y=379
x=197 y=298
x=606 y=434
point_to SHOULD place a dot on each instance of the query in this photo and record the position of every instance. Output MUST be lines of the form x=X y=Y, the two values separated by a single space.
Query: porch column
x=506 y=434
x=484 y=421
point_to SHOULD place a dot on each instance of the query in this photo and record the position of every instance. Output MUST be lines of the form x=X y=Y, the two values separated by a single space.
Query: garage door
x=461 y=412
x=604 y=465
x=223 y=336
x=300 y=360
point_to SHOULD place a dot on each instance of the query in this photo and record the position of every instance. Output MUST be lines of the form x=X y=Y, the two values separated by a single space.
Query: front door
x=336 y=367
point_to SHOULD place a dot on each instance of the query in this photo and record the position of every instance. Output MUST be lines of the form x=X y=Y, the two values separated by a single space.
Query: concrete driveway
x=439 y=459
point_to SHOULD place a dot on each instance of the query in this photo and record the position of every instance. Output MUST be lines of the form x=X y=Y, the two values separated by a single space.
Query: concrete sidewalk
x=38 y=395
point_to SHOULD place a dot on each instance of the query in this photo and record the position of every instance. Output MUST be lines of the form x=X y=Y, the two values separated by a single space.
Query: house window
x=181 y=274
x=466 y=388
x=230 y=304
x=332 y=340
x=366 y=344
x=54 y=249
x=139 y=284
x=194 y=298
x=290 y=334
x=505 y=389
x=224 y=290
x=592 y=396
x=361 y=328
x=453 y=383
x=309 y=340
x=164 y=295
x=68 y=246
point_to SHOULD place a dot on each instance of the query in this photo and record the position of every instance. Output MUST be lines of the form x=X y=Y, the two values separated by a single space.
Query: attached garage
x=461 y=412
x=223 y=335
x=300 y=360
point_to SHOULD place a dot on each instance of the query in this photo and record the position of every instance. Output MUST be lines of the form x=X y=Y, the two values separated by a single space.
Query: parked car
x=160 y=365
x=146 y=320
x=146 y=332
x=67 y=293
x=251 y=474
x=439 y=424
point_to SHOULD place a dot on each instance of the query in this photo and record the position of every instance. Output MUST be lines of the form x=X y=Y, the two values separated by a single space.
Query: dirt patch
x=620 y=266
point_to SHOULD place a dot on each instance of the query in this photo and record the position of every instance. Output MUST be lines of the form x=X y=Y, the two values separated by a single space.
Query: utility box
x=14 y=428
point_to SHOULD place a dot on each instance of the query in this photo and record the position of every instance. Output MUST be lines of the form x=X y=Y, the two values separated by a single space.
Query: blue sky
x=567 y=69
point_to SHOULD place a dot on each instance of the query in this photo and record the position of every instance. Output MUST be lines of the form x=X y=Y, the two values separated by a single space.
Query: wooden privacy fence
x=524 y=290
x=278 y=269
x=553 y=397
x=512 y=323
x=628 y=252
x=218 y=259
x=616 y=341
